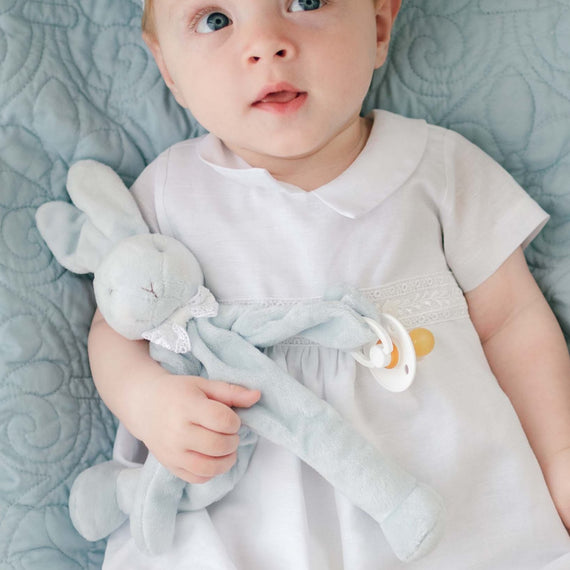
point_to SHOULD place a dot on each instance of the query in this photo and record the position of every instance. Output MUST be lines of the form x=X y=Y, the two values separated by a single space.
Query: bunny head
x=141 y=279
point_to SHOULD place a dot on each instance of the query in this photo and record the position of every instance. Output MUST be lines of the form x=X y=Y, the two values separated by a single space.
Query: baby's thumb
x=232 y=395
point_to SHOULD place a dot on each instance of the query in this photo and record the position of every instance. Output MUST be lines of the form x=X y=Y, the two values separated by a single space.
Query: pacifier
x=393 y=357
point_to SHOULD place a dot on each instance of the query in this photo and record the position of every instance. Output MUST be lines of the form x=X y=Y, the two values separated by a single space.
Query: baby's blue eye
x=212 y=22
x=305 y=5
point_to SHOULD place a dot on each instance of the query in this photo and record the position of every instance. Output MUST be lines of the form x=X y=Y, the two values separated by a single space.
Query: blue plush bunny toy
x=151 y=286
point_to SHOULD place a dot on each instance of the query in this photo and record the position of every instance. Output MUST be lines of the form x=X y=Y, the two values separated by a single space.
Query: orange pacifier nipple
x=423 y=341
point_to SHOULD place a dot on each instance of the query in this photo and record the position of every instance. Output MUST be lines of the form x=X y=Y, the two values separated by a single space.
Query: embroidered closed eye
x=150 y=290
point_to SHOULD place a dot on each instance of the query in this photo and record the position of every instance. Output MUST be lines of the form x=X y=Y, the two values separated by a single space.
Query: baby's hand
x=190 y=426
x=557 y=473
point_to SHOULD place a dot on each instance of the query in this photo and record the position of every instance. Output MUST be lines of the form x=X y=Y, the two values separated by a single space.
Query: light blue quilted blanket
x=76 y=82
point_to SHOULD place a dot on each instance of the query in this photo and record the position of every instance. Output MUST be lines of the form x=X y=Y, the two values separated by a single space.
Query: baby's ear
x=386 y=12
x=102 y=214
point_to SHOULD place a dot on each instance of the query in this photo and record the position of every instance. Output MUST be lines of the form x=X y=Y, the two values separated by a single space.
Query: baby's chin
x=303 y=140
x=276 y=156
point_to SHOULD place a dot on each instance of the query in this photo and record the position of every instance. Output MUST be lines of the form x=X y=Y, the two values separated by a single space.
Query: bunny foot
x=414 y=528
x=93 y=505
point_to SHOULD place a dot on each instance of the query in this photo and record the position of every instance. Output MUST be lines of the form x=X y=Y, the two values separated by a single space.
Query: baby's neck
x=319 y=168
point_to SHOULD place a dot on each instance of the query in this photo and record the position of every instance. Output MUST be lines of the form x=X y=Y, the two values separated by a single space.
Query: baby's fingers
x=212 y=443
x=217 y=417
x=232 y=395
x=201 y=468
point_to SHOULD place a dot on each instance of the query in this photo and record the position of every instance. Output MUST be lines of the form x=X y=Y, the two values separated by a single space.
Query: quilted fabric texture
x=76 y=82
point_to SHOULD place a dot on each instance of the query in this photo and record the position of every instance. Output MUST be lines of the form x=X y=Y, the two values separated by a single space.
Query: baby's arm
x=185 y=421
x=528 y=354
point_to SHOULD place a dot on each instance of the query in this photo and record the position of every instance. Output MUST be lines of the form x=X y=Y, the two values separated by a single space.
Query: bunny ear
x=71 y=237
x=97 y=190
x=103 y=213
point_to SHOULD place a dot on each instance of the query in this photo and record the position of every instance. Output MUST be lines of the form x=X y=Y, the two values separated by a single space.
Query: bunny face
x=143 y=280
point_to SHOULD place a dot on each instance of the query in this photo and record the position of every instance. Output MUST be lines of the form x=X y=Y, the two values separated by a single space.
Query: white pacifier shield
x=389 y=332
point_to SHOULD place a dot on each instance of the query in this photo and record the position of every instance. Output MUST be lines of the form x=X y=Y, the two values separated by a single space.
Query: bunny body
x=151 y=286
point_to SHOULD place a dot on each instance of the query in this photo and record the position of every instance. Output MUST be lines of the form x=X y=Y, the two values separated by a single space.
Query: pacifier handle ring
x=401 y=376
x=378 y=354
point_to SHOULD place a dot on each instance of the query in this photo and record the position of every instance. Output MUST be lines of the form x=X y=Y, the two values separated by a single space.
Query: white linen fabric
x=421 y=216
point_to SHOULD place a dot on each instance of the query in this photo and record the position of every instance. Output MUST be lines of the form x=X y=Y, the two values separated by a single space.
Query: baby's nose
x=279 y=54
x=269 y=43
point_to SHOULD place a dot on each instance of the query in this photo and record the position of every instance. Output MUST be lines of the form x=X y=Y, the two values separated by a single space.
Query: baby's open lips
x=279 y=97
x=281 y=93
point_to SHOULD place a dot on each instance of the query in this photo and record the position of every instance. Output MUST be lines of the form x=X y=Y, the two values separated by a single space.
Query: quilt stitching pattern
x=77 y=82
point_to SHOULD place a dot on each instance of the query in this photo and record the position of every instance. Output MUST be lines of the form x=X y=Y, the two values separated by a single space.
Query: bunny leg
x=413 y=528
x=200 y=496
x=154 y=507
x=93 y=505
x=159 y=495
x=409 y=514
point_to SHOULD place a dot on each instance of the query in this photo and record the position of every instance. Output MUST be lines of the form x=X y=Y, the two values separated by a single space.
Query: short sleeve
x=485 y=214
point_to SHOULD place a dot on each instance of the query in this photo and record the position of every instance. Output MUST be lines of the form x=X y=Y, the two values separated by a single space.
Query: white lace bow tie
x=171 y=334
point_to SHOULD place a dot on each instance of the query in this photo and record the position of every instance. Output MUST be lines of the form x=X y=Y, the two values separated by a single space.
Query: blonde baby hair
x=147 y=22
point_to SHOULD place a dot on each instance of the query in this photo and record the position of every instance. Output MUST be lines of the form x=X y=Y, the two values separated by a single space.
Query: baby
x=293 y=192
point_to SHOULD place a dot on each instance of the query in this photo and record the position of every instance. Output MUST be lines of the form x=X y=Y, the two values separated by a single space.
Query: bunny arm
x=288 y=414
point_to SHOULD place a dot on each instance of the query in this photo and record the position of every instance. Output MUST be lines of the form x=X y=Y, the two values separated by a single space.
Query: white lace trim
x=422 y=301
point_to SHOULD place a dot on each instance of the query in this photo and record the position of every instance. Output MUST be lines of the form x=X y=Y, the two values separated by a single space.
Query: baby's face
x=280 y=78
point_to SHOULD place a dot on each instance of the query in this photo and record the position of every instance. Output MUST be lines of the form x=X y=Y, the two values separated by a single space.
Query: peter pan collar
x=392 y=153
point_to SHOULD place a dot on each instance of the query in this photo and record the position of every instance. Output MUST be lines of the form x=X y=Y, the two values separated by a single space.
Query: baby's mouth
x=279 y=97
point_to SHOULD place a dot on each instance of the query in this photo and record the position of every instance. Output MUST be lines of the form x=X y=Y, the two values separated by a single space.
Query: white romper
x=419 y=217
